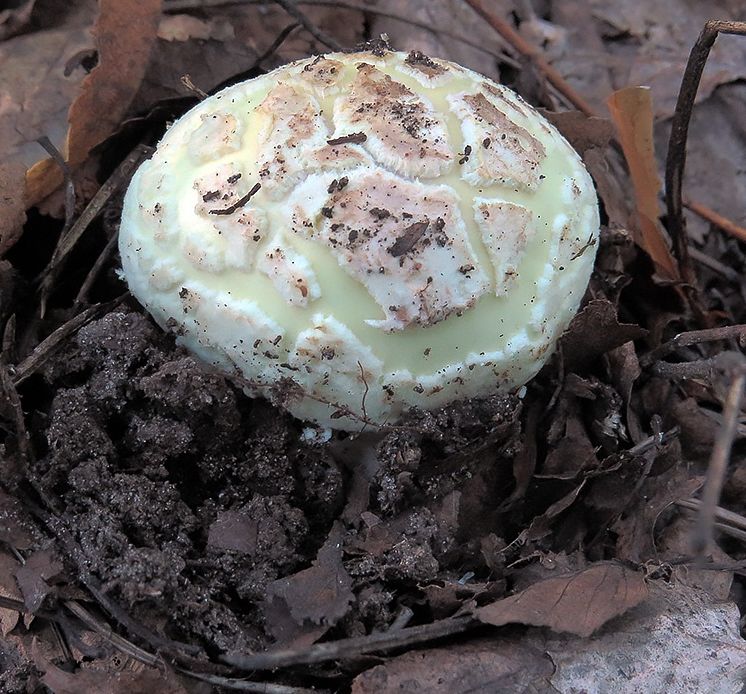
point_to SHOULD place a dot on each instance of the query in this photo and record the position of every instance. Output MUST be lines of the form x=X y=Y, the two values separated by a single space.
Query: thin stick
x=676 y=157
x=703 y=531
x=695 y=337
x=716 y=219
x=723 y=515
x=94 y=272
x=68 y=240
x=329 y=41
x=53 y=152
x=715 y=265
x=247 y=685
x=352 y=647
x=534 y=54
x=52 y=342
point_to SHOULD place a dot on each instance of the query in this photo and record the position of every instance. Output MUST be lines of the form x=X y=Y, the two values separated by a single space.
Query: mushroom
x=355 y=235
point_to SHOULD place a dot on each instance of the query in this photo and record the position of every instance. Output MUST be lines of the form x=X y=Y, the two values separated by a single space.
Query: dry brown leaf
x=679 y=641
x=595 y=331
x=635 y=529
x=322 y=593
x=632 y=112
x=36 y=91
x=32 y=577
x=578 y=604
x=124 y=32
x=487 y=665
x=12 y=204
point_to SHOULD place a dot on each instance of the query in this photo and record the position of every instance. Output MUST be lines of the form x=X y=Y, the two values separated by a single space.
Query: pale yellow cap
x=356 y=234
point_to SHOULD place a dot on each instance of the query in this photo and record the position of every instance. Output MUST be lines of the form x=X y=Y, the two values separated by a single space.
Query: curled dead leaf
x=125 y=32
x=632 y=112
x=579 y=603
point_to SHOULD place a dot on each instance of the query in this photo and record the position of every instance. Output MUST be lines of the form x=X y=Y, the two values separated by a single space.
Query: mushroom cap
x=356 y=234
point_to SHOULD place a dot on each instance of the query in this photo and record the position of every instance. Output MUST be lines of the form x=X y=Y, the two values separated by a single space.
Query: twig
x=723 y=515
x=240 y=202
x=51 y=343
x=715 y=265
x=694 y=337
x=246 y=685
x=716 y=469
x=68 y=240
x=352 y=647
x=329 y=41
x=716 y=219
x=533 y=54
x=67 y=174
x=113 y=638
x=181 y=5
x=279 y=40
x=676 y=157
x=10 y=395
x=186 y=80
x=94 y=272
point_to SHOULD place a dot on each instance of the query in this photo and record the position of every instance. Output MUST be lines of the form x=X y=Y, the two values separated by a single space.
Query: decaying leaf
x=486 y=665
x=580 y=603
x=632 y=112
x=322 y=593
x=678 y=641
x=594 y=331
x=124 y=32
x=32 y=577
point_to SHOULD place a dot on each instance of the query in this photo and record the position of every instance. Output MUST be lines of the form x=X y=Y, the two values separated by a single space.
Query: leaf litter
x=161 y=531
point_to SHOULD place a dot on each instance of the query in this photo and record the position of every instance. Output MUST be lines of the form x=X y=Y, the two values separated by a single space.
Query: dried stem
x=703 y=531
x=716 y=219
x=69 y=238
x=291 y=8
x=352 y=647
x=534 y=55
x=676 y=158
x=53 y=152
x=51 y=344
x=695 y=337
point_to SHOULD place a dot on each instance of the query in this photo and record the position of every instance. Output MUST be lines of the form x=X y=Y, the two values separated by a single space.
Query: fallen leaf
x=485 y=665
x=680 y=640
x=580 y=603
x=322 y=593
x=12 y=204
x=125 y=31
x=33 y=575
x=632 y=112
x=36 y=91
x=595 y=331
x=635 y=529
x=715 y=150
